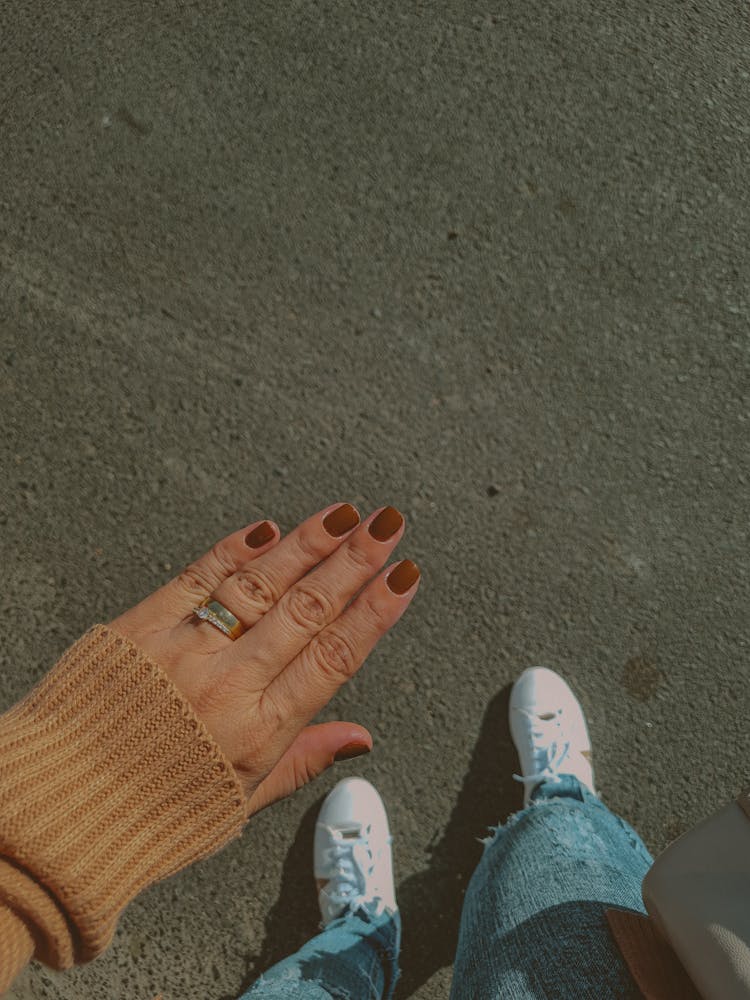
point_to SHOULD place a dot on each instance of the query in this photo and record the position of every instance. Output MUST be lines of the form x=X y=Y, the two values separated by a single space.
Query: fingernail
x=341 y=520
x=386 y=524
x=404 y=575
x=260 y=535
x=350 y=750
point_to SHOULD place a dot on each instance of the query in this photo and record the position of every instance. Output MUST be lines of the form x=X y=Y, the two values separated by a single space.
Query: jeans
x=355 y=958
x=532 y=925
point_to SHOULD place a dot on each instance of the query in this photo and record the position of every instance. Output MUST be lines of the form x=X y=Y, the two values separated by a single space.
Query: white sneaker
x=352 y=856
x=549 y=730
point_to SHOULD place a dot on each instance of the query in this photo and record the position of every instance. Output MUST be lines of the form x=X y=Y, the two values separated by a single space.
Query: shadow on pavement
x=294 y=918
x=430 y=901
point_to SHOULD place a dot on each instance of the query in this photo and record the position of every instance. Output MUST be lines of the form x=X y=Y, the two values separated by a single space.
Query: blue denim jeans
x=355 y=958
x=532 y=925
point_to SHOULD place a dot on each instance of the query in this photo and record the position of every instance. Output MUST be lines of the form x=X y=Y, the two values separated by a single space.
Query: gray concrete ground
x=486 y=262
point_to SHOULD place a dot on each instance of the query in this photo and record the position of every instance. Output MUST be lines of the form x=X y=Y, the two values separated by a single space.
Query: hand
x=256 y=694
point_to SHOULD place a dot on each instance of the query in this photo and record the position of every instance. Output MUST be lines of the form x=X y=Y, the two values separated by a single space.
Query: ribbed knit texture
x=109 y=782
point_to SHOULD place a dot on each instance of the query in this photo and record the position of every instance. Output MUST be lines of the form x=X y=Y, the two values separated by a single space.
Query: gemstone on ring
x=205 y=614
x=209 y=615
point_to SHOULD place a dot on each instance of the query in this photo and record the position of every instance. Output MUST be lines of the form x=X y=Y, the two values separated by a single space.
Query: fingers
x=258 y=585
x=337 y=652
x=314 y=602
x=171 y=603
x=312 y=752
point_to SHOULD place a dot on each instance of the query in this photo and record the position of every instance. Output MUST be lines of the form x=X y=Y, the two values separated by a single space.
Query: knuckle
x=222 y=559
x=255 y=588
x=304 y=771
x=194 y=580
x=374 y=612
x=201 y=575
x=359 y=557
x=309 y=607
x=308 y=550
x=333 y=653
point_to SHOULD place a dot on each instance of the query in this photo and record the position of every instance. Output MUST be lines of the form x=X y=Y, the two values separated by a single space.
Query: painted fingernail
x=350 y=750
x=386 y=524
x=260 y=535
x=404 y=575
x=341 y=520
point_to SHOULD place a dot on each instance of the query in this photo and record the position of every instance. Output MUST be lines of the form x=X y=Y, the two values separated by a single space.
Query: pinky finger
x=172 y=603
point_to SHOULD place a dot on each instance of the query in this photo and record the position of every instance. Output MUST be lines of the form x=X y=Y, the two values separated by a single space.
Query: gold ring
x=212 y=611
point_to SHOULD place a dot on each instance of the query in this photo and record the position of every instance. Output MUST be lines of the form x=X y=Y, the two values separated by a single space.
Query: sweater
x=109 y=782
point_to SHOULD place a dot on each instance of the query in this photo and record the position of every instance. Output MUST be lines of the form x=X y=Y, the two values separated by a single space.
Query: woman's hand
x=256 y=694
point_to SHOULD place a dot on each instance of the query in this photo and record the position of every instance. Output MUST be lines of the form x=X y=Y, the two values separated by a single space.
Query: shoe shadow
x=431 y=901
x=294 y=918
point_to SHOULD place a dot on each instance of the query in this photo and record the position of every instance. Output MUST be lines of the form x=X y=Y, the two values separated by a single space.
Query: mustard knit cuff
x=109 y=782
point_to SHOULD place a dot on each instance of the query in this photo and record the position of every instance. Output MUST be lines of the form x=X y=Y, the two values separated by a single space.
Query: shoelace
x=352 y=865
x=550 y=754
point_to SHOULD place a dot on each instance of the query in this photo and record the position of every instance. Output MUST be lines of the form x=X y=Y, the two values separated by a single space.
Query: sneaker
x=352 y=856
x=549 y=730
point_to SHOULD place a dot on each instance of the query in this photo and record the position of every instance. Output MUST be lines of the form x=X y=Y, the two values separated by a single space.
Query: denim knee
x=565 y=816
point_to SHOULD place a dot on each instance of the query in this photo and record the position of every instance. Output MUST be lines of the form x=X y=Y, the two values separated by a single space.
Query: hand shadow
x=430 y=901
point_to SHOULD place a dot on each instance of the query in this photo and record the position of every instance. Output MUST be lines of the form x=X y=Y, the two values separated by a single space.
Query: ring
x=212 y=611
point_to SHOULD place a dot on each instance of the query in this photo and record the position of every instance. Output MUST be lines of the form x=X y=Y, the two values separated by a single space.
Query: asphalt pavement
x=485 y=262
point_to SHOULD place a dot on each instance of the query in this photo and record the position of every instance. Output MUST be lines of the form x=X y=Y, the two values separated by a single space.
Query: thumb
x=313 y=751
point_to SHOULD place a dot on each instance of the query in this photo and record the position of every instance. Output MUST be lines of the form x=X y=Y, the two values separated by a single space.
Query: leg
x=533 y=922
x=356 y=955
x=354 y=958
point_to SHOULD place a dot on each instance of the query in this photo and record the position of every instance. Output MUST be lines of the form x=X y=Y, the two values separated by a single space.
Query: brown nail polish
x=386 y=524
x=404 y=575
x=341 y=520
x=350 y=750
x=260 y=535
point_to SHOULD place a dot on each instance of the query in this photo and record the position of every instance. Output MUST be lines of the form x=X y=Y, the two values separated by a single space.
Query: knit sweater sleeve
x=109 y=783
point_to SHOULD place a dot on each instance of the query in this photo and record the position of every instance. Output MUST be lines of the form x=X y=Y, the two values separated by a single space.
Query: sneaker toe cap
x=351 y=801
x=540 y=689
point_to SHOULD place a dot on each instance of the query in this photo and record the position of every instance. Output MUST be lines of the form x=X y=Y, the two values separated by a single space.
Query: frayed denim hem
x=354 y=958
x=568 y=793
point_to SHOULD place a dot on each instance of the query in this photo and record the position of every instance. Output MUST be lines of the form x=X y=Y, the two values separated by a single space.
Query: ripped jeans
x=532 y=925
x=355 y=958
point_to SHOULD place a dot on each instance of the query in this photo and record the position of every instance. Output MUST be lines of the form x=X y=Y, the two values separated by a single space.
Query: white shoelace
x=549 y=753
x=351 y=864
